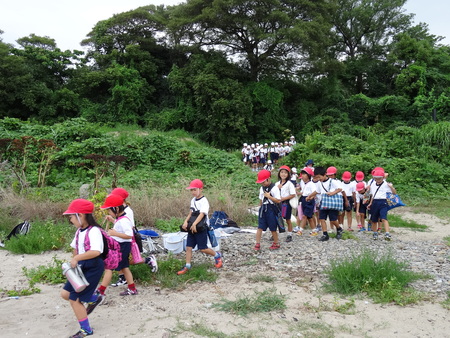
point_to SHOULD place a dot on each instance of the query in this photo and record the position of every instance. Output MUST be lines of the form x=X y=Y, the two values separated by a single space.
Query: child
x=294 y=177
x=348 y=187
x=332 y=174
x=378 y=206
x=130 y=215
x=122 y=232
x=308 y=202
x=328 y=187
x=91 y=263
x=268 y=166
x=361 y=203
x=359 y=177
x=269 y=194
x=287 y=191
x=200 y=206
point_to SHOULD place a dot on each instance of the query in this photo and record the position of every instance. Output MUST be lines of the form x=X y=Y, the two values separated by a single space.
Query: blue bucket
x=149 y=233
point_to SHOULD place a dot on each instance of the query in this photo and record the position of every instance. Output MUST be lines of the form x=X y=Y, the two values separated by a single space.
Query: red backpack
x=111 y=249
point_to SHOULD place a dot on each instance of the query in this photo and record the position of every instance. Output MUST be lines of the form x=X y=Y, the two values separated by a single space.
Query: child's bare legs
x=386 y=225
x=107 y=276
x=258 y=236
x=188 y=254
x=78 y=309
x=323 y=223
x=128 y=276
x=289 y=224
x=275 y=236
x=349 y=216
x=208 y=251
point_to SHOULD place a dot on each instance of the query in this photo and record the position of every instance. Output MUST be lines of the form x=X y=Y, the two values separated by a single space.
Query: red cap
x=331 y=171
x=120 y=192
x=80 y=206
x=376 y=168
x=347 y=175
x=263 y=175
x=360 y=186
x=112 y=201
x=308 y=170
x=285 y=167
x=359 y=176
x=195 y=184
x=378 y=173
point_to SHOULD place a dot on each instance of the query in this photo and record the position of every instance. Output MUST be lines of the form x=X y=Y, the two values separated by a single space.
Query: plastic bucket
x=173 y=242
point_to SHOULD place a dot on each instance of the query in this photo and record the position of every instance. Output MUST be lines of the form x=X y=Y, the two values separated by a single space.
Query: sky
x=68 y=22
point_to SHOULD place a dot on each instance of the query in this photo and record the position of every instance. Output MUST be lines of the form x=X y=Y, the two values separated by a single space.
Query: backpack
x=218 y=219
x=111 y=249
x=20 y=229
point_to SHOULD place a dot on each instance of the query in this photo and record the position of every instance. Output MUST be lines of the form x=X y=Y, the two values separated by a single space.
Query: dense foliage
x=233 y=71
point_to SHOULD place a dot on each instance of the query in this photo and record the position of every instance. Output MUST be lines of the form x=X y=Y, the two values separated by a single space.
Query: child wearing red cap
x=361 y=201
x=307 y=201
x=348 y=191
x=88 y=258
x=287 y=191
x=198 y=237
x=122 y=232
x=269 y=194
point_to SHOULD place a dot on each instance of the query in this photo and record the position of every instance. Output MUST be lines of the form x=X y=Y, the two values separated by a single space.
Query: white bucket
x=174 y=242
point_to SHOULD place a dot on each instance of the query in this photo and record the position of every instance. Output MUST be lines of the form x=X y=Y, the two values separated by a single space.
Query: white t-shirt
x=201 y=205
x=308 y=188
x=95 y=240
x=130 y=214
x=287 y=189
x=329 y=185
x=123 y=225
x=349 y=188
x=378 y=192
x=274 y=192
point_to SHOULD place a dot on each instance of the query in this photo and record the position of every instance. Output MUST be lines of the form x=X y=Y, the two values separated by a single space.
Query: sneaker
x=257 y=247
x=300 y=232
x=387 y=237
x=324 y=238
x=362 y=229
x=128 y=292
x=296 y=229
x=121 y=281
x=183 y=271
x=314 y=233
x=275 y=246
x=218 y=262
x=375 y=236
x=289 y=238
x=92 y=305
x=339 y=233
x=82 y=333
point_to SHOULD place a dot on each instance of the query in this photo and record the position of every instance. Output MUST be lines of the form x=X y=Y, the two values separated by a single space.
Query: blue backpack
x=219 y=219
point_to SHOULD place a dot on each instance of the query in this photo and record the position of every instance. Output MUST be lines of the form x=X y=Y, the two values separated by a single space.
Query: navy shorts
x=199 y=238
x=362 y=208
x=331 y=214
x=308 y=206
x=262 y=160
x=125 y=249
x=378 y=210
x=286 y=210
x=268 y=217
x=93 y=270
x=350 y=204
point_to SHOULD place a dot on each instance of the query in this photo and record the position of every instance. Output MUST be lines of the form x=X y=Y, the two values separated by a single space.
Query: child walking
x=122 y=232
x=198 y=214
x=269 y=194
x=287 y=191
x=348 y=192
x=88 y=256
x=309 y=192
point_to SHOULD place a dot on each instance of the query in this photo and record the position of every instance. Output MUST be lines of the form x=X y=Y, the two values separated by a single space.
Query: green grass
x=261 y=279
x=171 y=225
x=380 y=276
x=345 y=235
x=397 y=222
x=446 y=303
x=43 y=236
x=347 y=308
x=447 y=240
x=50 y=274
x=167 y=277
x=265 y=301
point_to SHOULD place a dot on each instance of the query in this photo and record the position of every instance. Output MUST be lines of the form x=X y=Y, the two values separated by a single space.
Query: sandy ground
x=166 y=313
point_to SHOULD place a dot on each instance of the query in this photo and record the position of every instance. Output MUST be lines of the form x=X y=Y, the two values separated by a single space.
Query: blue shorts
x=331 y=214
x=268 y=217
x=199 y=238
x=363 y=208
x=308 y=206
x=93 y=270
x=378 y=210
x=125 y=249
x=350 y=204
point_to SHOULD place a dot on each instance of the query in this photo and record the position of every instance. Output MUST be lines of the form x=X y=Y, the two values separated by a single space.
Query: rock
x=85 y=191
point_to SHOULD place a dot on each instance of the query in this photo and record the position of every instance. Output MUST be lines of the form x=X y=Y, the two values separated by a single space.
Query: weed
x=446 y=303
x=380 y=276
x=447 y=240
x=171 y=225
x=345 y=308
x=261 y=279
x=50 y=274
x=345 y=235
x=265 y=301
x=397 y=222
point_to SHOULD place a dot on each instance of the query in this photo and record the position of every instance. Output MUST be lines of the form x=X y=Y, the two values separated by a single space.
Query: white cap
x=245 y=144
x=269 y=162
x=294 y=170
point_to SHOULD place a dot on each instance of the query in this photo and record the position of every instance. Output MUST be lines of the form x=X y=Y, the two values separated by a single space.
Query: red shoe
x=275 y=246
x=257 y=247
x=219 y=262
x=183 y=271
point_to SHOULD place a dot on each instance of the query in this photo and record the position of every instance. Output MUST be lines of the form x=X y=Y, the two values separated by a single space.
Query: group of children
x=322 y=196
x=265 y=156
x=89 y=244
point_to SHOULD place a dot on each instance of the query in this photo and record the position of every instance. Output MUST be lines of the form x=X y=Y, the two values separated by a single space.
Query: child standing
x=378 y=205
x=122 y=232
x=287 y=191
x=348 y=192
x=361 y=203
x=359 y=177
x=200 y=208
x=89 y=258
x=307 y=200
x=269 y=194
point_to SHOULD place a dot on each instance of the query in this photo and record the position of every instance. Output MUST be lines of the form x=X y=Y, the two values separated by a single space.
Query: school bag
x=20 y=229
x=111 y=249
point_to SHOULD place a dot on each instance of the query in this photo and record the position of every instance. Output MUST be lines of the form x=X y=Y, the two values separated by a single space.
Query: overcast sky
x=68 y=22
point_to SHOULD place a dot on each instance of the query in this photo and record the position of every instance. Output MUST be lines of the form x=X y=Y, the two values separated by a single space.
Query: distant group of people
x=321 y=197
x=265 y=155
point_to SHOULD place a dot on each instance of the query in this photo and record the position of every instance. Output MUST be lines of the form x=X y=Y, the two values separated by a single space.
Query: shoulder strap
x=87 y=242
x=373 y=197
